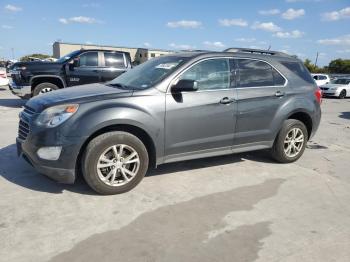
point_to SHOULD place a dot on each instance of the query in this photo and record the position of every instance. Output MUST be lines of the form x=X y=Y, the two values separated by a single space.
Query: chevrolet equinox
x=172 y=108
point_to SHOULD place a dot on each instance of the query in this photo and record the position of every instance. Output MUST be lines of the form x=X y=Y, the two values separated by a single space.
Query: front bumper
x=326 y=93
x=21 y=91
x=31 y=138
x=62 y=170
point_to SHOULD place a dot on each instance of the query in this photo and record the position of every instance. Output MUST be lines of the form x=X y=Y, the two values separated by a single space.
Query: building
x=138 y=55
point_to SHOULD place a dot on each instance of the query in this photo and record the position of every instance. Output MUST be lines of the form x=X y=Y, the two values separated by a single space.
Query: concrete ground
x=233 y=208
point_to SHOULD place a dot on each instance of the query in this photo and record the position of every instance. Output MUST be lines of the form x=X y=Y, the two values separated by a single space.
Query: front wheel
x=290 y=142
x=114 y=162
x=44 y=88
x=342 y=94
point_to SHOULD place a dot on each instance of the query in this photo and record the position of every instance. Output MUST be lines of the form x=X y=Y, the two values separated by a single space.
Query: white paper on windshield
x=166 y=66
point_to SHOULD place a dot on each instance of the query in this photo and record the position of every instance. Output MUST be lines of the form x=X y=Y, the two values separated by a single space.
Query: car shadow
x=345 y=115
x=17 y=171
x=257 y=156
x=13 y=103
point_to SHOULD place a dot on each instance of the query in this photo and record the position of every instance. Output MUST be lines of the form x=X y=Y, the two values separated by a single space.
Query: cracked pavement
x=240 y=207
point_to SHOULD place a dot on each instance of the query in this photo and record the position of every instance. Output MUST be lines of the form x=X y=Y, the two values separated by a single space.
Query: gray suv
x=172 y=108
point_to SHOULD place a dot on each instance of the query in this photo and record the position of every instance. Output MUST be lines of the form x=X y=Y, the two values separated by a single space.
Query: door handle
x=226 y=100
x=95 y=71
x=279 y=93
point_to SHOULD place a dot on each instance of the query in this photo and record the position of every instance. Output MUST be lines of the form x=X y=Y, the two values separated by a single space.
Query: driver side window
x=210 y=74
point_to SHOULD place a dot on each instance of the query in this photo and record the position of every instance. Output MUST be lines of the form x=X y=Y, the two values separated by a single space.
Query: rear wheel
x=290 y=142
x=44 y=88
x=342 y=94
x=114 y=162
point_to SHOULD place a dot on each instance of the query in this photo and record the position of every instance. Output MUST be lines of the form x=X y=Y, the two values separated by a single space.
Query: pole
x=316 y=59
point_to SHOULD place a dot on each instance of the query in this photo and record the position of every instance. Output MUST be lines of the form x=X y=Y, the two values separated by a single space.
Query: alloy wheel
x=118 y=165
x=45 y=90
x=294 y=141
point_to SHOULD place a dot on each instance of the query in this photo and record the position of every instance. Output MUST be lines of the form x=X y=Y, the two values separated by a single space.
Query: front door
x=87 y=70
x=260 y=92
x=200 y=123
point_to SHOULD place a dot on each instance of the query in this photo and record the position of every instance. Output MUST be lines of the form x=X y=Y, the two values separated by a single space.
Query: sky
x=299 y=27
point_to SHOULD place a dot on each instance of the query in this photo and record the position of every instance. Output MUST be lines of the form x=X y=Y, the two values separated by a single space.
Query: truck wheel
x=290 y=142
x=114 y=162
x=44 y=88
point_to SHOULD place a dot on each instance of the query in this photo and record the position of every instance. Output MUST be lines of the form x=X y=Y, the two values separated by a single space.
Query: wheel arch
x=303 y=117
x=56 y=80
x=132 y=129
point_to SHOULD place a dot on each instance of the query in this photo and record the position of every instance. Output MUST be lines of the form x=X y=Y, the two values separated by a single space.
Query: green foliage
x=338 y=66
x=314 y=69
x=27 y=57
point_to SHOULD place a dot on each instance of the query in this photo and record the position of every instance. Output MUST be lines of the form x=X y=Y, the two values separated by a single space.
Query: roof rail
x=255 y=51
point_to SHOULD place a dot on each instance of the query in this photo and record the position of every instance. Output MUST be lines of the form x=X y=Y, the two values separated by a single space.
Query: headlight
x=56 y=115
x=19 y=68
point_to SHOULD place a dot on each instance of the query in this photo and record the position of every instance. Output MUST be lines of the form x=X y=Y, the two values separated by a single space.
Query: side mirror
x=73 y=63
x=185 y=85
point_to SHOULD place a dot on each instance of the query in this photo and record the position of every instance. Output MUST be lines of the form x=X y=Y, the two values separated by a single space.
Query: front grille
x=23 y=129
x=324 y=88
x=24 y=118
x=28 y=110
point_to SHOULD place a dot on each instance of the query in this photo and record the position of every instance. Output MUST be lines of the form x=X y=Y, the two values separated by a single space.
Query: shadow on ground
x=345 y=115
x=189 y=231
x=14 y=103
x=19 y=172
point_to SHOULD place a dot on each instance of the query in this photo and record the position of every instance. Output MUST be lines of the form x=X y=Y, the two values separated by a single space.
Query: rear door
x=260 y=92
x=113 y=65
x=87 y=71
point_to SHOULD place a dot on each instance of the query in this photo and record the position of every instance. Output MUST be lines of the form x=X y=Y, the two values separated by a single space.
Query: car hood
x=77 y=94
x=37 y=65
x=333 y=85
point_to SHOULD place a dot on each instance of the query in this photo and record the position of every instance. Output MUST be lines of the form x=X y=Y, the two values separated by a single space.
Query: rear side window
x=88 y=59
x=300 y=70
x=254 y=73
x=114 y=60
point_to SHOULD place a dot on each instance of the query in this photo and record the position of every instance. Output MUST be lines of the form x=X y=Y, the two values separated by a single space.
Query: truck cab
x=80 y=67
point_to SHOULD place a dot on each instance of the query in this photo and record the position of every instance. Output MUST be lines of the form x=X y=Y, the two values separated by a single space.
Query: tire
x=44 y=88
x=280 y=146
x=100 y=178
x=342 y=94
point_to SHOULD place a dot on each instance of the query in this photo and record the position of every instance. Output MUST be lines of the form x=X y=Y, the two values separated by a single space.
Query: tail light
x=318 y=95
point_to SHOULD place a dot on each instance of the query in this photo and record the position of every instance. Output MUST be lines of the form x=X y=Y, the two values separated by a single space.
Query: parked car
x=171 y=108
x=321 y=79
x=3 y=77
x=77 y=68
x=338 y=88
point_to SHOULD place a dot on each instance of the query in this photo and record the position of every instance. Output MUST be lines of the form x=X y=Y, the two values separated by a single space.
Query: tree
x=309 y=65
x=314 y=69
x=340 y=66
x=39 y=56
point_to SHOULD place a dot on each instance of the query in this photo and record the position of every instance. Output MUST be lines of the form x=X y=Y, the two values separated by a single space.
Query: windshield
x=149 y=73
x=341 y=81
x=67 y=57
